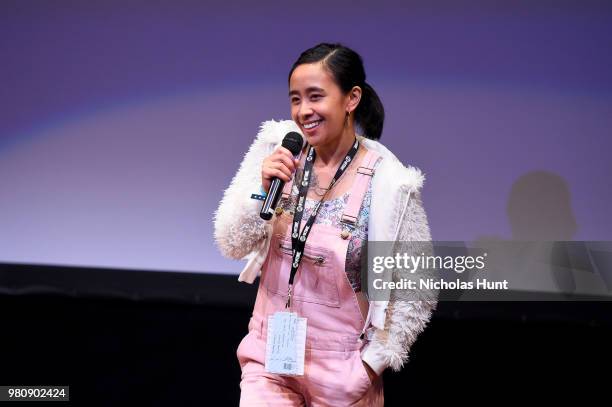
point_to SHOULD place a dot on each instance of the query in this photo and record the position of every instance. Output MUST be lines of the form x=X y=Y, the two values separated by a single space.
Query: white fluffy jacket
x=396 y=214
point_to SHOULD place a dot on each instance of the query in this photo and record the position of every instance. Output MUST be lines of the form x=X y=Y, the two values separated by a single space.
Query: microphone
x=293 y=142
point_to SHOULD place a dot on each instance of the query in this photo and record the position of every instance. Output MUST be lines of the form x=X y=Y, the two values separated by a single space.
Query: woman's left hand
x=371 y=373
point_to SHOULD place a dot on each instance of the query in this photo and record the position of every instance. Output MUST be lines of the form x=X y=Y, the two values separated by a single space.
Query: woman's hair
x=346 y=67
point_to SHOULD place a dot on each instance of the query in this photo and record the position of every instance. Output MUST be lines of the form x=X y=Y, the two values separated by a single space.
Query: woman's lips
x=311 y=130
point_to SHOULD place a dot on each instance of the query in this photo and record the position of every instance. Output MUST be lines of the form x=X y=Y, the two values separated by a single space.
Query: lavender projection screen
x=123 y=122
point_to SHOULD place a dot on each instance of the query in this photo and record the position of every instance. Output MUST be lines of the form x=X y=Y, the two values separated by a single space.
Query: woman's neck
x=330 y=155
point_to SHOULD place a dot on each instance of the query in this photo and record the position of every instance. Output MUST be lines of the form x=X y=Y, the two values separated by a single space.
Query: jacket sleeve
x=238 y=228
x=408 y=311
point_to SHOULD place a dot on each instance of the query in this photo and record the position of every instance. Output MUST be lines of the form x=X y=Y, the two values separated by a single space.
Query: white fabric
x=396 y=214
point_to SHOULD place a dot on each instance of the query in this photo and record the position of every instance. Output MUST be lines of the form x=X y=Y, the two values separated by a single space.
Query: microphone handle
x=274 y=194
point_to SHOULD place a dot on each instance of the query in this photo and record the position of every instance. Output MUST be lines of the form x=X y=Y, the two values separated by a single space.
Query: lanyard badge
x=286 y=337
x=298 y=239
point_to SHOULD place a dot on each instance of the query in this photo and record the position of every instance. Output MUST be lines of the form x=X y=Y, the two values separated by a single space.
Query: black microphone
x=293 y=142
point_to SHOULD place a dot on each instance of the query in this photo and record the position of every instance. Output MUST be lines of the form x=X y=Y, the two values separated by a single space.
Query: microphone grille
x=293 y=142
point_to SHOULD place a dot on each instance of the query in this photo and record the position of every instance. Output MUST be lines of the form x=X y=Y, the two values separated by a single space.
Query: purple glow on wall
x=120 y=128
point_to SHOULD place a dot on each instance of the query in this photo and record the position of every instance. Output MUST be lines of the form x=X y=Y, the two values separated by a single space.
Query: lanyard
x=298 y=239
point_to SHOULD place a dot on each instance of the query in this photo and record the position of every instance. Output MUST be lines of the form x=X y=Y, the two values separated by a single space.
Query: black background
x=156 y=338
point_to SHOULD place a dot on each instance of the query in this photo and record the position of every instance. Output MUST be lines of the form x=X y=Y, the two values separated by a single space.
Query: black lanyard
x=298 y=239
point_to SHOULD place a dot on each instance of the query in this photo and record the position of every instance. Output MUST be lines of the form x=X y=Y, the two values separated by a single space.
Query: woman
x=350 y=340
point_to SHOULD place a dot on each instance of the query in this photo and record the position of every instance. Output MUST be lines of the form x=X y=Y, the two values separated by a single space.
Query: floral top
x=329 y=214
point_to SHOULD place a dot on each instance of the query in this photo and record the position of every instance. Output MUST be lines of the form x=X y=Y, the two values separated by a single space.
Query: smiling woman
x=328 y=95
x=348 y=189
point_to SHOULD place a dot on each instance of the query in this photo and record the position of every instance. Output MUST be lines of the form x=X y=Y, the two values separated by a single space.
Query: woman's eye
x=315 y=96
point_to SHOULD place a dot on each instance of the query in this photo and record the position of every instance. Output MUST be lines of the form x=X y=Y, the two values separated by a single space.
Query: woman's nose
x=305 y=110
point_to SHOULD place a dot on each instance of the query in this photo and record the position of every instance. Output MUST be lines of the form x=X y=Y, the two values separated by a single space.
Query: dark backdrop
x=181 y=351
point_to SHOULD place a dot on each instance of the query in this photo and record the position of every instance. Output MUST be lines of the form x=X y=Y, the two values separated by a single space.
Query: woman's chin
x=312 y=136
x=314 y=139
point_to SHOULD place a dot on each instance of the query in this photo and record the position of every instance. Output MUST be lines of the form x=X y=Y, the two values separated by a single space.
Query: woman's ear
x=354 y=97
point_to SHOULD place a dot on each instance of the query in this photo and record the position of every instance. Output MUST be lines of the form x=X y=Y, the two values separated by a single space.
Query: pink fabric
x=334 y=374
x=358 y=191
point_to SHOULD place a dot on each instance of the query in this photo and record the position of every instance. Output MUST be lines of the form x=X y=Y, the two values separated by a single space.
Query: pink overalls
x=334 y=374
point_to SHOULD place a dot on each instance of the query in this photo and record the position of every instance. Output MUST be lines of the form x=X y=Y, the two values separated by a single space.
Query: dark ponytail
x=346 y=67
x=370 y=113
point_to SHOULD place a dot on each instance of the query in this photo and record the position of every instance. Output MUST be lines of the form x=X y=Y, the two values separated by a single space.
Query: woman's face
x=316 y=99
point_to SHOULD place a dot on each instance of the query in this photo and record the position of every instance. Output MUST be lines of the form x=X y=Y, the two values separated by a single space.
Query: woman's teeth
x=312 y=125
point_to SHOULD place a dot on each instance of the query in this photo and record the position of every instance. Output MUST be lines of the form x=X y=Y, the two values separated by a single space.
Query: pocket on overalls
x=315 y=281
x=240 y=351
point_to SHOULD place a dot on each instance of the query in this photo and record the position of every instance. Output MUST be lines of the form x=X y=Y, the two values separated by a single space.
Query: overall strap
x=359 y=188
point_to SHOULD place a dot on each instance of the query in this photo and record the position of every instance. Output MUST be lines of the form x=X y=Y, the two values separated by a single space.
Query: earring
x=347 y=118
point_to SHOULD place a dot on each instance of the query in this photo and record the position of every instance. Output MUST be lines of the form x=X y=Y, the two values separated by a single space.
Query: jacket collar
x=407 y=178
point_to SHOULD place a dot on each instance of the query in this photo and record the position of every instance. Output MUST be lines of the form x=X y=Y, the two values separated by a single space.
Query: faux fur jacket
x=396 y=214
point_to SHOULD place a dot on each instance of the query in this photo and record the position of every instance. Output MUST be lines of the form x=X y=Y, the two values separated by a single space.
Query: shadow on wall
x=541 y=256
x=539 y=208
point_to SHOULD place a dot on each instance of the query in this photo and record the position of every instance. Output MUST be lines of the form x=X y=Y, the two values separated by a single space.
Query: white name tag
x=286 y=344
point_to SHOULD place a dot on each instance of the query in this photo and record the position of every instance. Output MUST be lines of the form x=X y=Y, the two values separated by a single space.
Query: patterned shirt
x=329 y=214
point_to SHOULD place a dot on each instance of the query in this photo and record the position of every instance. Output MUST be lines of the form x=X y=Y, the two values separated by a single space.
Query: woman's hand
x=280 y=164
x=371 y=373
